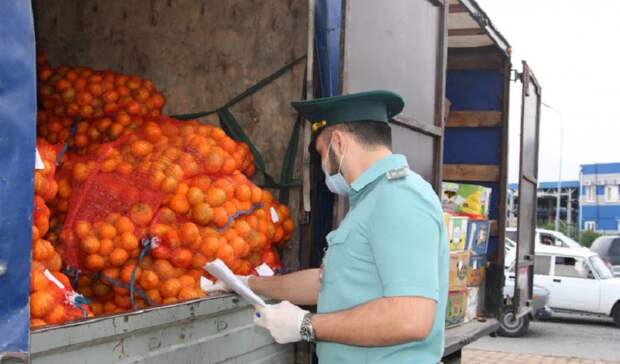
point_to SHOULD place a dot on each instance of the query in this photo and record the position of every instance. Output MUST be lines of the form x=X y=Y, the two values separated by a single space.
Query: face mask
x=335 y=183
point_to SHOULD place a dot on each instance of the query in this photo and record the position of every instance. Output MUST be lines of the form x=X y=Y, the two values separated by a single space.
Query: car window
x=551 y=240
x=542 y=263
x=572 y=267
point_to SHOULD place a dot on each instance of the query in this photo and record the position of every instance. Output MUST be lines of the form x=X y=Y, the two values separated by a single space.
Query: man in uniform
x=382 y=288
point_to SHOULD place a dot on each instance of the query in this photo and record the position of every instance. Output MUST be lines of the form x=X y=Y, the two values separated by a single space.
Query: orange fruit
x=122 y=301
x=149 y=280
x=187 y=281
x=62 y=279
x=96 y=308
x=188 y=293
x=226 y=253
x=198 y=261
x=166 y=216
x=170 y=288
x=129 y=241
x=216 y=196
x=201 y=182
x=141 y=148
x=202 y=213
x=82 y=229
x=220 y=216
x=57 y=315
x=189 y=232
x=94 y=262
x=181 y=257
x=41 y=304
x=42 y=250
x=54 y=264
x=90 y=245
x=106 y=247
x=214 y=160
x=35 y=323
x=179 y=204
x=123 y=224
x=152 y=132
x=111 y=272
x=154 y=295
x=126 y=273
x=118 y=256
x=243 y=192
x=242 y=227
x=38 y=281
x=170 y=300
x=288 y=225
x=172 y=239
x=164 y=269
x=240 y=247
x=195 y=196
x=141 y=214
x=209 y=246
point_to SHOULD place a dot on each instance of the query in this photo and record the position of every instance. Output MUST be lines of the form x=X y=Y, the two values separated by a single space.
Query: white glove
x=220 y=286
x=282 y=320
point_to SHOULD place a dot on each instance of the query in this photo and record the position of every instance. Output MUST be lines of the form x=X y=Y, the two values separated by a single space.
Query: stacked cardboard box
x=466 y=210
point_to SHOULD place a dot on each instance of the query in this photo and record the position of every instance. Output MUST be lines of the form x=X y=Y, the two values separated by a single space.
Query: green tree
x=587 y=237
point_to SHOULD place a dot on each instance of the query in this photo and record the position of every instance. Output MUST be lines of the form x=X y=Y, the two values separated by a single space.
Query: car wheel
x=616 y=315
x=511 y=326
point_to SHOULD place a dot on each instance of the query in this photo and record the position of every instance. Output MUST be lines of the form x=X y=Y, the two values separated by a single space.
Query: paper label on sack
x=38 y=161
x=219 y=269
x=51 y=277
x=264 y=270
x=274 y=215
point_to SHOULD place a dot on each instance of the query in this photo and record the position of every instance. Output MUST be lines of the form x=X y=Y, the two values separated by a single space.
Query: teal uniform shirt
x=392 y=242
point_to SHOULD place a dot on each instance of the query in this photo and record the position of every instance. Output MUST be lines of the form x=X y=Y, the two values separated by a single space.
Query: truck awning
x=469 y=27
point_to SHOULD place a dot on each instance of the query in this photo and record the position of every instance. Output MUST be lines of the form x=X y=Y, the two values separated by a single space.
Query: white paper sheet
x=38 y=162
x=264 y=270
x=223 y=273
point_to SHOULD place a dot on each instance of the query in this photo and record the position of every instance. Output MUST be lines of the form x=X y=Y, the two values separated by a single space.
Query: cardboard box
x=471 y=200
x=457 y=232
x=476 y=269
x=458 y=272
x=455 y=309
x=473 y=297
x=478 y=237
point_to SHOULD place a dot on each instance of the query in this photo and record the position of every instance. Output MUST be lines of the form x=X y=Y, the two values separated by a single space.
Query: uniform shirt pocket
x=335 y=255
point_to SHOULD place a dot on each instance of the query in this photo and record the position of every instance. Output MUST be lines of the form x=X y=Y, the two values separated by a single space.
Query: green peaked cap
x=376 y=105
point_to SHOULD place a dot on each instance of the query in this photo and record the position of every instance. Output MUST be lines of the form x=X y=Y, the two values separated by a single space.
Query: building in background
x=600 y=197
x=547 y=193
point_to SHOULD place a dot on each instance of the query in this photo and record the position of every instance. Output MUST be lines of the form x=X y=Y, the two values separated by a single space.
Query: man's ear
x=338 y=140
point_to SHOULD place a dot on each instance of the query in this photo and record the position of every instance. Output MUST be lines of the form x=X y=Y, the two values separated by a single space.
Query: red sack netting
x=100 y=105
x=146 y=212
x=52 y=299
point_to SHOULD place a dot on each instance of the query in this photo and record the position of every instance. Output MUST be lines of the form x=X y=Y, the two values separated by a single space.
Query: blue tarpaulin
x=17 y=155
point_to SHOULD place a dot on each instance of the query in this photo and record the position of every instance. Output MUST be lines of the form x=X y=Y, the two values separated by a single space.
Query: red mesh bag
x=147 y=211
x=52 y=300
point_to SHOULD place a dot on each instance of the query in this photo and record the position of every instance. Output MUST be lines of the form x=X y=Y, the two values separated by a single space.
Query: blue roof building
x=600 y=197
x=547 y=193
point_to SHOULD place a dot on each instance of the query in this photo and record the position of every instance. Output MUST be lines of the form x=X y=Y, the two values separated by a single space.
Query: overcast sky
x=573 y=48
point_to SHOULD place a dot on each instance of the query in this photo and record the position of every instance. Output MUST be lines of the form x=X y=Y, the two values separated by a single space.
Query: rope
x=139 y=291
x=232 y=127
x=147 y=244
x=232 y=218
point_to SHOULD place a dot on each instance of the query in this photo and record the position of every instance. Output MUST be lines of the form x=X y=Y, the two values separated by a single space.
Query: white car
x=546 y=237
x=578 y=281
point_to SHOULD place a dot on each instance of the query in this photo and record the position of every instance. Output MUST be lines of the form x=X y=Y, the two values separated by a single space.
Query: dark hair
x=369 y=133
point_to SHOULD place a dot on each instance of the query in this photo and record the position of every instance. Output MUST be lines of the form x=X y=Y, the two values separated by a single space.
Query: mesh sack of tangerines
x=147 y=211
x=52 y=298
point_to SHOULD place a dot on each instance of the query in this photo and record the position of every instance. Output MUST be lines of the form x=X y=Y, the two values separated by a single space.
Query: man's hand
x=220 y=286
x=282 y=320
